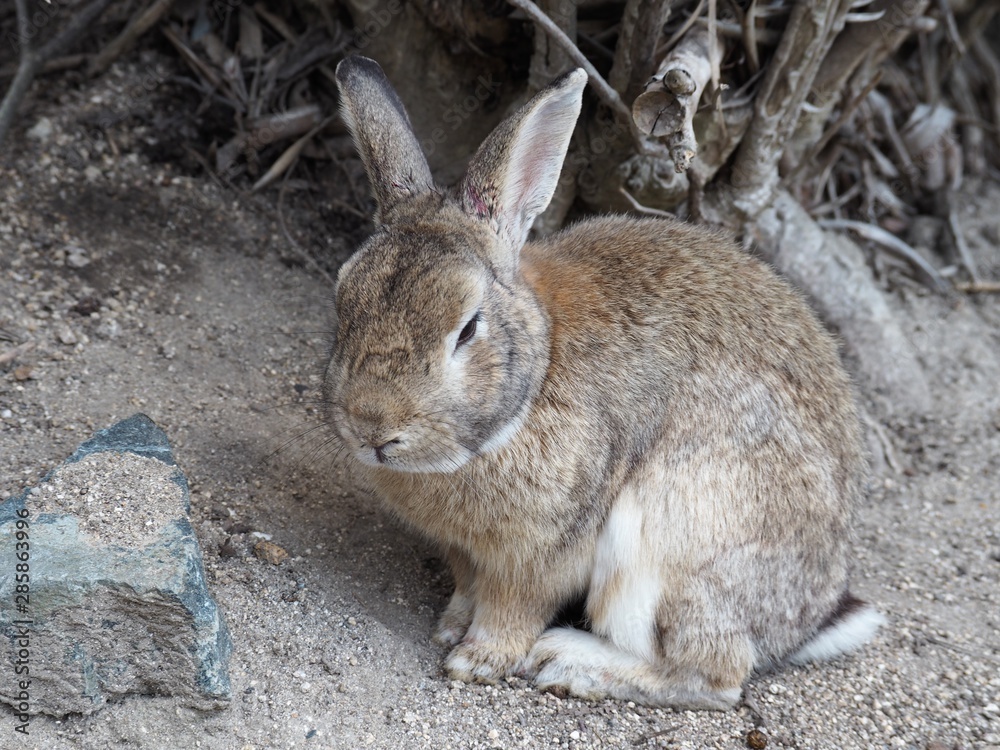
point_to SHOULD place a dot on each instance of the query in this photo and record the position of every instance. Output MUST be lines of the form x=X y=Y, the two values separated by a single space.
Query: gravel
x=132 y=279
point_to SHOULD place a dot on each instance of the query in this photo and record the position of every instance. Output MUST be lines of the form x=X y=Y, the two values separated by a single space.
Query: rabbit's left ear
x=514 y=173
x=392 y=156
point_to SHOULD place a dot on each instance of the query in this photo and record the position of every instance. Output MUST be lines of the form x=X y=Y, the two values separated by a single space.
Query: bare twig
x=715 y=49
x=845 y=115
x=299 y=250
x=355 y=192
x=66 y=62
x=596 y=46
x=731 y=30
x=868 y=44
x=753 y=707
x=201 y=69
x=973 y=136
x=749 y=28
x=284 y=161
x=990 y=67
x=679 y=34
x=138 y=25
x=888 y=452
x=961 y=650
x=894 y=245
x=944 y=7
x=285 y=30
x=979 y=287
x=959 y=239
x=643 y=739
x=31 y=61
x=266 y=130
x=548 y=59
x=645 y=210
x=883 y=109
x=836 y=202
x=608 y=94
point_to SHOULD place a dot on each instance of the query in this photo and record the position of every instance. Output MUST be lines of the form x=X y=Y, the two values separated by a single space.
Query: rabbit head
x=439 y=344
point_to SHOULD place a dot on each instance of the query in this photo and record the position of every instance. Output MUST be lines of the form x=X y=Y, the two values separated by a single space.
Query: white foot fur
x=475 y=661
x=592 y=668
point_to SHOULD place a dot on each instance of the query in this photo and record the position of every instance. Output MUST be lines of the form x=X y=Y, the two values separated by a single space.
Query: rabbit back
x=730 y=429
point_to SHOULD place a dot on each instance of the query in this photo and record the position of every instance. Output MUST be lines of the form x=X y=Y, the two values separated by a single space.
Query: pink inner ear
x=530 y=169
x=477 y=202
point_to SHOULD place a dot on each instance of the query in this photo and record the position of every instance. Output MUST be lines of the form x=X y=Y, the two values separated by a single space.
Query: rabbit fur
x=633 y=412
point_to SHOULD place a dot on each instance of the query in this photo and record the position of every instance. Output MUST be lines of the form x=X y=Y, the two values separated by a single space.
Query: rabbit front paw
x=480 y=661
x=455 y=620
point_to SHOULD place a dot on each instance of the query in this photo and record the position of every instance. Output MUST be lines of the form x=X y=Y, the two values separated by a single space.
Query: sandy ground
x=143 y=289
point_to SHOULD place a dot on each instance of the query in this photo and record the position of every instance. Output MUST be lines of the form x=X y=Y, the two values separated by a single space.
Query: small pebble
x=41 y=130
x=269 y=552
x=76 y=257
x=67 y=337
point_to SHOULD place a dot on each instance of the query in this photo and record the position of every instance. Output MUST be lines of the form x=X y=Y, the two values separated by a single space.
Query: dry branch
x=267 y=130
x=667 y=106
x=979 y=287
x=810 y=32
x=139 y=24
x=990 y=67
x=958 y=238
x=66 y=62
x=285 y=161
x=894 y=245
x=548 y=59
x=608 y=94
x=32 y=61
x=866 y=44
x=635 y=52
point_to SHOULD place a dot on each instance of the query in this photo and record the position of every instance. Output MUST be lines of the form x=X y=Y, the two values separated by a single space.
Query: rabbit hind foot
x=590 y=667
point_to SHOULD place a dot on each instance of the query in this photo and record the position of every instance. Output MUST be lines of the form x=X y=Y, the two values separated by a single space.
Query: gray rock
x=116 y=600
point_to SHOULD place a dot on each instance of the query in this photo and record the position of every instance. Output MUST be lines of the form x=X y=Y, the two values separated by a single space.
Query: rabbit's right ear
x=382 y=132
x=512 y=177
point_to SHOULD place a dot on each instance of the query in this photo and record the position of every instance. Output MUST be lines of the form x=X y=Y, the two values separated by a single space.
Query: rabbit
x=633 y=412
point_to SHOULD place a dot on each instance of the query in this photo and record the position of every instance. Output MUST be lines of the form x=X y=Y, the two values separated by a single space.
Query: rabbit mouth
x=439 y=463
x=433 y=453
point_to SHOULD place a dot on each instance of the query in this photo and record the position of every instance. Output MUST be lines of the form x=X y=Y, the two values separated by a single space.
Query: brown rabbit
x=632 y=412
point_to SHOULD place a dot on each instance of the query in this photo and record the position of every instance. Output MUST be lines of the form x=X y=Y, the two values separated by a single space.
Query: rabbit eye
x=468 y=331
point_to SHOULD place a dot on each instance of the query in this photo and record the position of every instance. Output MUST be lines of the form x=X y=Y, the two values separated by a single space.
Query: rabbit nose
x=372 y=426
x=380 y=449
